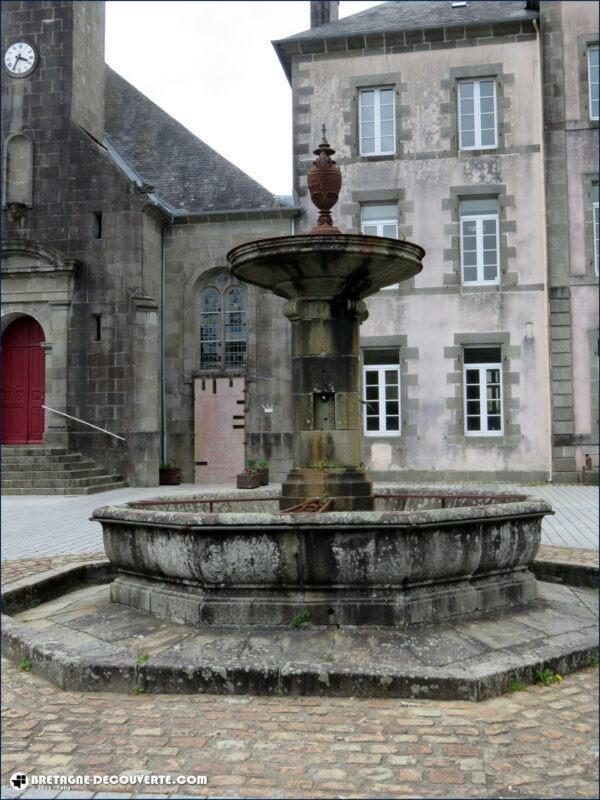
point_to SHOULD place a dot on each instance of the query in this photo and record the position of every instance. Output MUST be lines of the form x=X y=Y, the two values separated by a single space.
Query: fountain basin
x=382 y=567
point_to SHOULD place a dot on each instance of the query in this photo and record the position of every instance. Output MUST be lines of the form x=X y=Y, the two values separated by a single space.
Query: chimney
x=322 y=12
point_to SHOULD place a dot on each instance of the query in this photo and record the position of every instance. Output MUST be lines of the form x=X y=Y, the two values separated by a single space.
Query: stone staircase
x=44 y=470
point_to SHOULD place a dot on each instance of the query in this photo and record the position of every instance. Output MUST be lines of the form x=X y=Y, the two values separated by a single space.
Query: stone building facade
x=116 y=219
x=467 y=127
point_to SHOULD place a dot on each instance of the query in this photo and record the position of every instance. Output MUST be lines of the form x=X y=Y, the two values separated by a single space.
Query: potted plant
x=248 y=479
x=169 y=475
x=263 y=471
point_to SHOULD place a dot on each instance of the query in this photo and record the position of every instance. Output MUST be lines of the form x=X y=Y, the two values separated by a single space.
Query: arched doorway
x=23 y=382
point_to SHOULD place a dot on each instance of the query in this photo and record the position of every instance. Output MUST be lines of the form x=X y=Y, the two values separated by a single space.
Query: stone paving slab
x=80 y=640
x=37 y=526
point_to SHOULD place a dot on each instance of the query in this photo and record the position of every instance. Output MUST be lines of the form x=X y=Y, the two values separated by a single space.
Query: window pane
x=469 y=227
x=467 y=139
x=386 y=114
x=392 y=423
x=488 y=138
x=368 y=145
x=467 y=122
x=372 y=423
x=391 y=231
x=473 y=376
x=388 y=355
x=368 y=130
x=369 y=230
x=372 y=377
x=473 y=389
x=473 y=424
x=380 y=213
x=387 y=128
x=387 y=96
x=486 y=88
x=479 y=205
x=492 y=376
x=481 y=355
x=489 y=258
x=473 y=407
x=391 y=408
x=368 y=114
x=493 y=407
x=494 y=424
x=470 y=259
x=391 y=377
x=466 y=89
x=372 y=392
x=367 y=98
x=490 y=273
x=391 y=393
x=487 y=105
x=387 y=144
x=469 y=274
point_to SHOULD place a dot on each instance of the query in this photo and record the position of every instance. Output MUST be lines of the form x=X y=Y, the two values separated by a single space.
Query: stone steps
x=41 y=470
x=70 y=490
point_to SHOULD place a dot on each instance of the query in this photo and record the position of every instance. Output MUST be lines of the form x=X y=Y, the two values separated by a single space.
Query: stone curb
x=566 y=573
x=115 y=671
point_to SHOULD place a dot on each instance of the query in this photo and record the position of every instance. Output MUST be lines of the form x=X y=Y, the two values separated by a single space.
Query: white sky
x=211 y=65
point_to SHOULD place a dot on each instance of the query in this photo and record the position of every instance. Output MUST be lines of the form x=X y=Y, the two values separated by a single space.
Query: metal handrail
x=83 y=422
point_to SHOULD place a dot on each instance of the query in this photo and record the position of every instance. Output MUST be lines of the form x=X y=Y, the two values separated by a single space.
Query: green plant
x=330 y=659
x=334 y=464
x=547 y=677
x=320 y=465
x=262 y=464
x=138 y=690
x=251 y=463
x=515 y=686
x=168 y=465
x=594 y=661
x=26 y=665
x=141 y=659
x=302 y=616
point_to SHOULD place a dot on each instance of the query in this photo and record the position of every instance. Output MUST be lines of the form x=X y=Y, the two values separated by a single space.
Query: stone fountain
x=325 y=276
x=353 y=563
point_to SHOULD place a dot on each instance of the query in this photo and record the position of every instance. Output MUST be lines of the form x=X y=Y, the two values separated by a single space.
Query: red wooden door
x=23 y=382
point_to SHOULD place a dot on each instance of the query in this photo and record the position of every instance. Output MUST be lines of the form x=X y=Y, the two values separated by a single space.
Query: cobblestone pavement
x=52 y=525
x=539 y=742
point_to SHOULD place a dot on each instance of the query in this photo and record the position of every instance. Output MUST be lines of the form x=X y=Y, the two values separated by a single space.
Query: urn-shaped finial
x=324 y=184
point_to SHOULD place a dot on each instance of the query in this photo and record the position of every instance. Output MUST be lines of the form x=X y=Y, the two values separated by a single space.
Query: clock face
x=20 y=59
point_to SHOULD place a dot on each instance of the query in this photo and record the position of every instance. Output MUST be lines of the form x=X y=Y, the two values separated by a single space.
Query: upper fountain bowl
x=325 y=266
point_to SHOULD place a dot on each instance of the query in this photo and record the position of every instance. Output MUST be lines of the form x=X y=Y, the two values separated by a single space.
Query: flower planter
x=248 y=481
x=263 y=475
x=170 y=476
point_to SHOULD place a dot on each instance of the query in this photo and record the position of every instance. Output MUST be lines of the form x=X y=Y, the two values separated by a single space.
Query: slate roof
x=185 y=172
x=400 y=15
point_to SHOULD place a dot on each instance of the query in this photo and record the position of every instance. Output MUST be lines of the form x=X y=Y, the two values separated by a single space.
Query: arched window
x=222 y=325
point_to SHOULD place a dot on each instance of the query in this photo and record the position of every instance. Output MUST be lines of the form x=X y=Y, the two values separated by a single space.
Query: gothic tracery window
x=222 y=325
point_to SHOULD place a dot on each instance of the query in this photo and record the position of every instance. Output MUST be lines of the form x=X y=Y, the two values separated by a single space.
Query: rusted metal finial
x=324 y=183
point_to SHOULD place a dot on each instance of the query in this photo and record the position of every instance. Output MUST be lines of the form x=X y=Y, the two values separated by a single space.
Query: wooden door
x=219 y=429
x=23 y=382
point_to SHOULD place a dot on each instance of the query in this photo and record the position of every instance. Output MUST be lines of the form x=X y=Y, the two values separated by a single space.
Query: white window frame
x=377 y=121
x=381 y=369
x=479 y=219
x=591 y=49
x=595 y=229
x=477 y=112
x=482 y=367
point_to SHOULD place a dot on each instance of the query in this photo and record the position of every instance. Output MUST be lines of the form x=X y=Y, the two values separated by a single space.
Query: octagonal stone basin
x=410 y=561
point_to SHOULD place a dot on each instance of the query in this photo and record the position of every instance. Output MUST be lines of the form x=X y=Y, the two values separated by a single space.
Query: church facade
x=470 y=128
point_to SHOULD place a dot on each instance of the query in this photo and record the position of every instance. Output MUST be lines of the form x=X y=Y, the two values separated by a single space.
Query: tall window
x=483 y=391
x=477 y=114
x=381 y=375
x=222 y=325
x=593 y=80
x=479 y=244
x=380 y=220
x=376 y=122
x=596 y=231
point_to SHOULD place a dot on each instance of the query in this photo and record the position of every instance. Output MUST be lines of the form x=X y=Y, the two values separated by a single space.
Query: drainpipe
x=545 y=244
x=164 y=456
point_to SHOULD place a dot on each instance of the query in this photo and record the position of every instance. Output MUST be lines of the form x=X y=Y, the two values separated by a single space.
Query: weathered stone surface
x=359 y=567
x=89 y=644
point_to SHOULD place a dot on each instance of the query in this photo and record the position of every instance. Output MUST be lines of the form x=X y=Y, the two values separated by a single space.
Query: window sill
x=377 y=157
x=382 y=434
